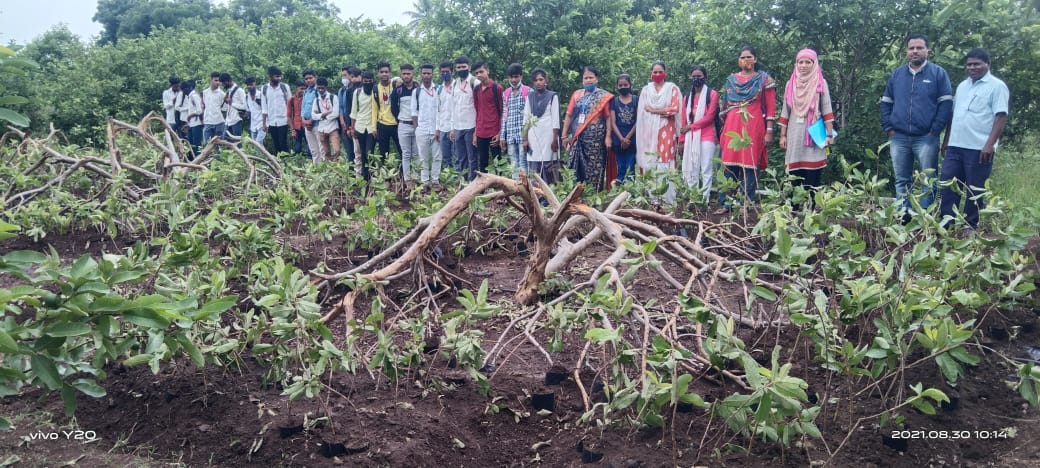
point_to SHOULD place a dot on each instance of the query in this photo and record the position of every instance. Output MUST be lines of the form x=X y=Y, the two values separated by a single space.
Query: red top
x=294 y=113
x=488 y=105
x=706 y=124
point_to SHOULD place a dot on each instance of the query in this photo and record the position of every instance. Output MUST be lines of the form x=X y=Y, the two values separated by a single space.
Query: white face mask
x=345 y=81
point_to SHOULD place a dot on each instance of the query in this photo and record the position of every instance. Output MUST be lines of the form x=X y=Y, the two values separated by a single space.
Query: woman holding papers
x=806 y=120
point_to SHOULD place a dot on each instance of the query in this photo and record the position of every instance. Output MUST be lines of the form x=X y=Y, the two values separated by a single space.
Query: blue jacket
x=346 y=98
x=915 y=104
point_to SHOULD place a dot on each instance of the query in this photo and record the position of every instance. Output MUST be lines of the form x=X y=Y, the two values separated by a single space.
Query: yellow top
x=385 y=117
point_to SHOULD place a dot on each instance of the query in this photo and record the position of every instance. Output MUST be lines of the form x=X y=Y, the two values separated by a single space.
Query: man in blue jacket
x=916 y=107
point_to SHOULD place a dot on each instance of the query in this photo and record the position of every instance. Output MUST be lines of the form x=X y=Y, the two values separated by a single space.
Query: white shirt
x=444 y=105
x=194 y=107
x=463 y=113
x=170 y=99
x=273 y=101
x=426 y=108
x=238 y=103
x=256 y=114
x=213 y=102
x=406 y=103
x=328 y=102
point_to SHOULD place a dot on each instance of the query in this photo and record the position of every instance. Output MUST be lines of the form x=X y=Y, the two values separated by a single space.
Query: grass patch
x=1016 y=174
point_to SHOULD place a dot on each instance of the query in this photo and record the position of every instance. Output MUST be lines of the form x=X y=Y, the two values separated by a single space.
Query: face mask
x=463 y=74
x=698 y=83
x=445 y=76
x=367 y=87
x=659 y=77
x=590 y=88
x=345 y=81
x=624 y=91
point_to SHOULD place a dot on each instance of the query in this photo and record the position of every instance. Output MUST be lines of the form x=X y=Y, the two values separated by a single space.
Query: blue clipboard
x=818 y=133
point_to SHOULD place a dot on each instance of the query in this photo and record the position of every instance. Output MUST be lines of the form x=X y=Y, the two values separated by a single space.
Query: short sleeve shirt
x=975 y=107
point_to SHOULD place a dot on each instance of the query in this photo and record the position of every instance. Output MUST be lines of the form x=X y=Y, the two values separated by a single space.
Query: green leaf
x=601 y=335
x=146 y=318
x=46 y=371
x=7 y=344
x=137 y=360
x=68 y=395
x=14 y=118
x=24 y=256
x=764 y=293
x=12 y=100
x=89 y=387
x=82 y=267
x=68 y=329
x=215 y=307
x=5 y=424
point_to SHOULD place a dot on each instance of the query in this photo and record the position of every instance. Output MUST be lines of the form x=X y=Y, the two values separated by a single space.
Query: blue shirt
x=307 y=105
x=975 y=107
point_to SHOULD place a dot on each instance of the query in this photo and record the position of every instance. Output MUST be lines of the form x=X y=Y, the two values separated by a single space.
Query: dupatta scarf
x=595 y=103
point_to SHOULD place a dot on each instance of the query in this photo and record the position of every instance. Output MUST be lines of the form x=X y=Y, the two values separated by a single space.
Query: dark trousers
x=748 y=179
x=300 y=144
x=387 y=133
x=280 y=136
x=810 y=179
x=482 y=157
x=195 y=138
x=964 y=166
x=348 y=146
x=464 y=151
x=368 y=144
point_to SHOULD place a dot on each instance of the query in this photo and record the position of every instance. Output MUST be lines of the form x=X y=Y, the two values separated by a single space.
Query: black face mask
x=367 y=87
x=624 y=91
x=698 y=83
x=463 y=74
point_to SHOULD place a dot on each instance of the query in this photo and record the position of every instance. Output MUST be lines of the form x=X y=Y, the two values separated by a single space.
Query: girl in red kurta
x=749 y=110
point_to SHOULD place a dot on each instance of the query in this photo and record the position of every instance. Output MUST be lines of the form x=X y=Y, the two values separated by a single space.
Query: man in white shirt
x=325 y=112
x=213 y=109
x=236 y=107
x=425 y=108
x=274 y=103
x=191 y=109
x=444 y=104
x=171 y=97
x=256 y=113
x=463 y=115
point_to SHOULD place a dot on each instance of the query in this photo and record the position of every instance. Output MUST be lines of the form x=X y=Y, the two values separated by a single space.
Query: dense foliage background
x=123 y=73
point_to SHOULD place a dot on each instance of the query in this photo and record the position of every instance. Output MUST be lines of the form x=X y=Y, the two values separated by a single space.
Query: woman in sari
x=585 y=129
x=749 y=109
x=807 y=99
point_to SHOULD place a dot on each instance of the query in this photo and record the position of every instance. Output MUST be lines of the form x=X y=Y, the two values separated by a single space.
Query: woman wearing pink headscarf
x=806 y=100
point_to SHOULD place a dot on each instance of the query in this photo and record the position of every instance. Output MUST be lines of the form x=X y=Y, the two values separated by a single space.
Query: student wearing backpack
x=236 y=110
x=274 y=104
x=294 y=107
x=307 y=109
x=213 y=109
x=326 y=113
x=350 y=77
x=386 y=120
x=487 y=102
x=463 y=117
x=401 y=105
x=513 y=101
x=171 y=98
x=192 y=110
x=424 y=118
x=444 y=105
x=256 y=112
x=363 y=122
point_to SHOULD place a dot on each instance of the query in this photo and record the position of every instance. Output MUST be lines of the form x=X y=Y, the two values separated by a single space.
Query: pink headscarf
x=803 y=91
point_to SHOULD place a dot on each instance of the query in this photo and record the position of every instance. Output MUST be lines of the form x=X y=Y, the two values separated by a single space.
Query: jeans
x=314 y=150
x=195 y=138
x=212 y=130
x=329 y=145
x=409 y=151
x=234 y=131
x=748 y=179
x=258 y=135
x=280 y=137
x=300 y=144
x=626 y=167
x=905 y=149
x=963 y=166
x=464 y=151
x=517 y=159
x=429 y=159
x=348 y=146
x=447 y=148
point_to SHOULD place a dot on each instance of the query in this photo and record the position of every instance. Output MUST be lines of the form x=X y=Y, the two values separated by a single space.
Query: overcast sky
x=21 y=21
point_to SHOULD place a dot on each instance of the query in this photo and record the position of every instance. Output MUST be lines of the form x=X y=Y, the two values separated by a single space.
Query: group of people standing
x=456 y=114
